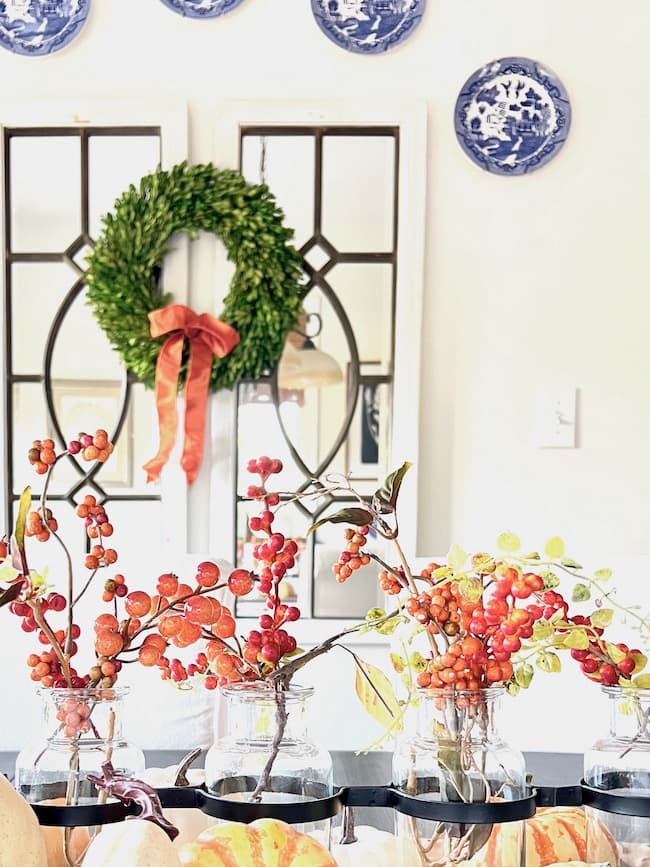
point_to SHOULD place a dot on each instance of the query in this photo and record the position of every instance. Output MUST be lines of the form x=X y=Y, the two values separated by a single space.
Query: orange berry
x=225 y=627
x=91 y=562
x=157 y=641
x=170 y=625
x=109 y=643
x=110 y=555
x=106 y=622
x=137 y=603
x=167 y=584
x=149 y=655
x=107 y=529
x=90 y=453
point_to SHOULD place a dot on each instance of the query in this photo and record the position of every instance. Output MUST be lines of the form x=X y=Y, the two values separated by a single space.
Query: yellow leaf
x=398 y=663
x=509 y=542
x=456 y=558
x=602 y=617
x=554 y=548
x=642 y=681
x=376 y=693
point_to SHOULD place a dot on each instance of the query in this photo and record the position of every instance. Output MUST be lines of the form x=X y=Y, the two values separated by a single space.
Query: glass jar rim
x=626 y=691
x=96 y=693
x=261 y=691
x=488 y=692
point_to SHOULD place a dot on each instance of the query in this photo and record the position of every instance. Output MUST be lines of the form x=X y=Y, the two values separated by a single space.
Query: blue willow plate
x=40 y=26
x=512 y=116
x=202 y=8
x=368 y=26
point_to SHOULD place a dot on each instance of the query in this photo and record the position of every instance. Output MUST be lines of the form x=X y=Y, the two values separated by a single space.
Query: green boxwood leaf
x=570 y=564
x=524 y=674
x=603 y=574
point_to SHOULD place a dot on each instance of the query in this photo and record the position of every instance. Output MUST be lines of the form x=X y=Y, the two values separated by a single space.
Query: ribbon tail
x=196 y=402
x=168 y=368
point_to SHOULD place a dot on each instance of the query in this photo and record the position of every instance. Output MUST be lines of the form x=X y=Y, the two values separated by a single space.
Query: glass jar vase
x=81 y=729
x=458 y=755
x=619 y=763
x=258 y=761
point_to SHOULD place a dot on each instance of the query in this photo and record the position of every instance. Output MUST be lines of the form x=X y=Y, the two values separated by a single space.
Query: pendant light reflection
x=303 y=365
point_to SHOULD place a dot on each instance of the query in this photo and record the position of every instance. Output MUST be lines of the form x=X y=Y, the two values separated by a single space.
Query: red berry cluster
x=603 y=662
x=352 y=558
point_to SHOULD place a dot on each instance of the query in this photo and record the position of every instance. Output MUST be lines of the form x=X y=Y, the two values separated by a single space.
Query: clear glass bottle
x=456 y=755
x=301 y=770
x=619 y=762
x=81 y=729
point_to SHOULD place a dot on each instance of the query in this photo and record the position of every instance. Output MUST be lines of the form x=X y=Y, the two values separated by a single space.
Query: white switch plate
x=555 y=417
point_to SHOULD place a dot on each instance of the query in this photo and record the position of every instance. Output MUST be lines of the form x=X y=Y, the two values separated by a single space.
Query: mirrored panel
x=114 y=162
x=366 y=291
x=359 y=192
x=45 y=192
x=35 y=286
x=286 y=164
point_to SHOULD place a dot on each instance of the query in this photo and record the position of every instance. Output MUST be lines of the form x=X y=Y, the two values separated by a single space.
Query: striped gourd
x=263 y=843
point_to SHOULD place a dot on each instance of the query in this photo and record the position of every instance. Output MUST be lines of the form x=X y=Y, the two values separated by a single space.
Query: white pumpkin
x=373 y=846
x=21 y=841
x=189 y=822
x=133 y=842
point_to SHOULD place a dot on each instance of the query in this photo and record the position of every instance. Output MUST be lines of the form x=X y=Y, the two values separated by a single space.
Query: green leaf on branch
x=375 y=693
x=11 y=593
x=389 y=491
x=641 y=681
x=542 y=629
x=389 y=626
x=603 y=574
x=548 y=661
x=554 y=548
x=576 y=639
x=524 y=674
x=615 y=653
x=533 y=555
x=570 y=564
x=551 y=580
x=356 y=516
x=581 y=593
x=471 y=588
x=640 y=659
x=375 y=614
x=417 y=662
x=456 y=558
x=602 y=617
x=398 y=662
x=509 y=542
x=24 y=506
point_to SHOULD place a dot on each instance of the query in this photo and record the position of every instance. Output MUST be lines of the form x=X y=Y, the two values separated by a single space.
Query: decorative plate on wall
x=202 y=8
x=40 y=26
x=512 y=116
x=368 y=26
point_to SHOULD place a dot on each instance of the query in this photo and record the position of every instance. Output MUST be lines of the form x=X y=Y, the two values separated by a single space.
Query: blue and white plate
x=202 y=8
x=512 y=116
x=368 y=26
x=40 y=26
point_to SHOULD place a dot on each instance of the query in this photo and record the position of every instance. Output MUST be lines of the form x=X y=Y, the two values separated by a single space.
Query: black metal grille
x=87 y=476
x=318 y=278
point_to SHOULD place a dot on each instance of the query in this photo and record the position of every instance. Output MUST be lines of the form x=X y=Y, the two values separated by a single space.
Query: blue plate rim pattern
x=60 y=40
x=217 y=8
x=411 y=19
x=556 y=92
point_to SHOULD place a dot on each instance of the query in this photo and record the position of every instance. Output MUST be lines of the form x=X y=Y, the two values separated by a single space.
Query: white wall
x=528 y=280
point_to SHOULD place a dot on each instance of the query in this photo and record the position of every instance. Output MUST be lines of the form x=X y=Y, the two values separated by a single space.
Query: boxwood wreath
x=264 y=298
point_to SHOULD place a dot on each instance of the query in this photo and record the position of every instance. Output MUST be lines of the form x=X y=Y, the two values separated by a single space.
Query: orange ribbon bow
x=207 y=336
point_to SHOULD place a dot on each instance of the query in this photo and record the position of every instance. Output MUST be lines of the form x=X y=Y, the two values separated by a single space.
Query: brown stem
x=281 y=718
x=60 y=655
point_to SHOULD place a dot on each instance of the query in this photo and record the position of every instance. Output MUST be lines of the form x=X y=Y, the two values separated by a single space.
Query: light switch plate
x=555 y=417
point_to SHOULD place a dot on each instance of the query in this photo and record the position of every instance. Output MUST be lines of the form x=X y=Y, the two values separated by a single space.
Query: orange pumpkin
x=554 y=834
x=79 y=840
x=265 y=841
